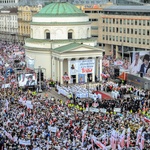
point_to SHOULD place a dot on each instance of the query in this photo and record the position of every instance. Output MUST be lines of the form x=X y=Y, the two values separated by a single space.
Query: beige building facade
x=25 y=14
x=124 y=28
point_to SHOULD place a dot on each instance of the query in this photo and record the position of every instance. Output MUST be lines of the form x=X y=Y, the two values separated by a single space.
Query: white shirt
x=136 y=69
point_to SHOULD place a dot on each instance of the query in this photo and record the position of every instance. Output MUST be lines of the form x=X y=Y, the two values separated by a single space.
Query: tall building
x=25 y=14
x=124 y=29
x=9 y=3
x=8 y=24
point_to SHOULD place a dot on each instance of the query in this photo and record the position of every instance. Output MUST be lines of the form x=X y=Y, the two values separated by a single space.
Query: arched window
x=47 y=34
x=70 y=34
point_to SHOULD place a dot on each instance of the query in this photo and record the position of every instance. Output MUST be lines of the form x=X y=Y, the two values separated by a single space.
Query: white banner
x=117 y=110
x=24 y=142
x=91 y=109
x=52 y=129
x=85 y=66
x=103 y=110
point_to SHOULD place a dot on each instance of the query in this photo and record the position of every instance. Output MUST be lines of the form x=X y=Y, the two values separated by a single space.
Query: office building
x=124 y=28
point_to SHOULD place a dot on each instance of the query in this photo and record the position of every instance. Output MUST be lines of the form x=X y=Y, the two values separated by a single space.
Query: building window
x=109 y=37
x=135 y=31
x=135 y=40
x=128 y=39
x=144 y=41
x=120 y=21
x=135 y=22
x=116 y=21
x=148 y=22
x=147 y=32
x=139 y=22
x=124 y=30
x=120 y=30
x=131 y=31
x=128 y=22
x=117 y=38
x=124 y=39
x=128 y=30
x=117 y=30
x=113 y=21
x=103 y=29
x=113 y=29
x=124 y=21
x=70 y=34
x=131 y=40
x=113 y=38
x=131 y=22
x=106 y=29
x=143 y=22
x=110 y=21
x=109 y=29
x=106 y=20
x=106 y=37
x=103 y=20
x=143 y=31
x=147 y=41
x=47 y=35
x=139 y=41
x=139 y=31
x=120 y=38
x=103 y=37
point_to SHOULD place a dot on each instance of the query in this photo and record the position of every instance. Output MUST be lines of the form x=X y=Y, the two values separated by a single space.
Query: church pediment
x=76 y=47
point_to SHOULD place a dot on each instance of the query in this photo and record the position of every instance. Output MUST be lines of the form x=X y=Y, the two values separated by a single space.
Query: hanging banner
x=85 y=66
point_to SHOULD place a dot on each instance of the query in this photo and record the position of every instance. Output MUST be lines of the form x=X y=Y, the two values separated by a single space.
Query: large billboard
x=26 y=80
x=85 y=66
x=140 y=63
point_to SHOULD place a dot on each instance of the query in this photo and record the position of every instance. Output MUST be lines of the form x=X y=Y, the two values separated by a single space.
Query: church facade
x=61 y=42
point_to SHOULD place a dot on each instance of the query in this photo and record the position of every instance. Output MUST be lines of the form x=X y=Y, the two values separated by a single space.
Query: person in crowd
x=30 y=81
x=146 y=65
x=136 y=64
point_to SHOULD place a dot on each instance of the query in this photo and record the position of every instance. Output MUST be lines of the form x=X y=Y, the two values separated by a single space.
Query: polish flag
x=146 y=120
x=84 y=133
x=128 y=137
x=139 y=135
x=142 y=142
x=122 y=139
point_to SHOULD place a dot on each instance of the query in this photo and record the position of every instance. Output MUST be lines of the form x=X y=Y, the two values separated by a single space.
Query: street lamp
x=122 y=51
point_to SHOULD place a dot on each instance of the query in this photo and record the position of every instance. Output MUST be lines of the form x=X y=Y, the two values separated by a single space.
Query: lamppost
x=122 y=51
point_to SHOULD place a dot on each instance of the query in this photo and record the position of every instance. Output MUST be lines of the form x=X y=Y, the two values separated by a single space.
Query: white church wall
x=42 y=59
x=61 y=32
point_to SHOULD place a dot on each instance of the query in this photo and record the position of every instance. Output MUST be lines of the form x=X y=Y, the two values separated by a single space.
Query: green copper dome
x=59 y=9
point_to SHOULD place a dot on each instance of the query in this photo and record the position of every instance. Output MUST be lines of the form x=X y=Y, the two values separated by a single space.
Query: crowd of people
x=31 y=121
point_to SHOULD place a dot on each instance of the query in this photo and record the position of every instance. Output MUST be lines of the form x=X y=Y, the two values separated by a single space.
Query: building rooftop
x=59 y=9
x=121 y=8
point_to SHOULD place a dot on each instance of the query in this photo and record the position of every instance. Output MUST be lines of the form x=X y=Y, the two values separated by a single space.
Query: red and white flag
x=146 y=120
x=139 y=135
x=84 y=133
x=142 y=142
x=128 y=137
x=122 y=139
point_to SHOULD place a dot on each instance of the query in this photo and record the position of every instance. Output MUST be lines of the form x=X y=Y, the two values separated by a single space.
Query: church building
x=60 y=41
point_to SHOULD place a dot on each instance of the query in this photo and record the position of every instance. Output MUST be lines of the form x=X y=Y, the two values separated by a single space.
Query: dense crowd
x=31 y=121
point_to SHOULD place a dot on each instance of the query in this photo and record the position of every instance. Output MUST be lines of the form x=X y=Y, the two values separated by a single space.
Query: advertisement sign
x=140 y=63
x=85 y=66
x=27 y=80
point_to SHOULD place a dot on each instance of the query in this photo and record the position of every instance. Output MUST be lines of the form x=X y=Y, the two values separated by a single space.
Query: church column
x=93 y=74
x=77 y=80
x=58 y=68
x=97 y=66
x=61 y=71
x=100 y=67
x=69 y=59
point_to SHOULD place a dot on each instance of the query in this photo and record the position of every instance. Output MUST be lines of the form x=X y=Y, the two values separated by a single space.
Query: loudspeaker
x=116 y=72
